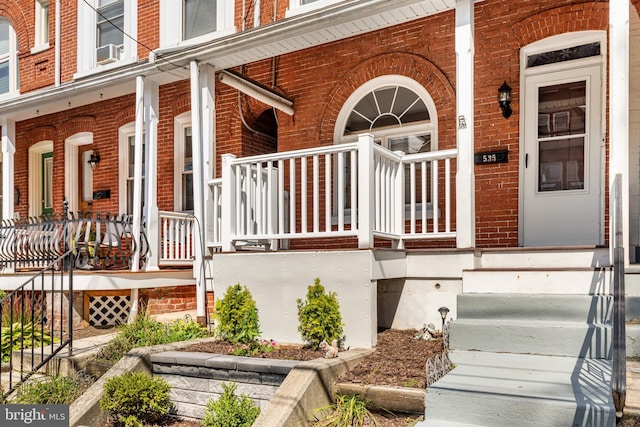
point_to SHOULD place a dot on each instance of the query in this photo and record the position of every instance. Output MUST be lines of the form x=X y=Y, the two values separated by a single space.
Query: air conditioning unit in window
x=108 y=53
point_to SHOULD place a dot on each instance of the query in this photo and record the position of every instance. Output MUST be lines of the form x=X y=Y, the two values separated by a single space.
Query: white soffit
x=344 y=20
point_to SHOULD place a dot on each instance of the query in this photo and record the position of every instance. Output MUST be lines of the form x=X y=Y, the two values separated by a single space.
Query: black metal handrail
x=101 y=241
x=619 y=374
x=36 y=321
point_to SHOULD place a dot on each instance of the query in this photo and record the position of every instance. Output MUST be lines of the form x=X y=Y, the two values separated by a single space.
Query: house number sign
x=489 y=157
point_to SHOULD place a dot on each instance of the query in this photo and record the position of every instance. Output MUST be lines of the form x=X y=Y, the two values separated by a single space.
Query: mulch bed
x=399 y=360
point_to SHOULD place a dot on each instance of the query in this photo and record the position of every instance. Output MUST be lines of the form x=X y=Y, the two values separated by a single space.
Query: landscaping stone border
x=196 y=378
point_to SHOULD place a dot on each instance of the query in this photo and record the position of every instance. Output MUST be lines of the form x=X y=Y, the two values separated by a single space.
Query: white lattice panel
x=109 y=310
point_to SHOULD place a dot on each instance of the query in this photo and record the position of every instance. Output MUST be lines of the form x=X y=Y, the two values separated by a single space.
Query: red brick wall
x=167 y=300
x=319 y=80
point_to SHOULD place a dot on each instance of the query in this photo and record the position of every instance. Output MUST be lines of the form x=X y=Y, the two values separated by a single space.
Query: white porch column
x=137 y=173
x=207 y=85
x=366 y=212
x=199 y=180
x=619 y=111
x=8 y=153
x=151 y=214
x=465 y=179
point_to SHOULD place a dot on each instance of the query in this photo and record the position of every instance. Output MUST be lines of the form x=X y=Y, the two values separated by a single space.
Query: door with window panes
x=561 y=186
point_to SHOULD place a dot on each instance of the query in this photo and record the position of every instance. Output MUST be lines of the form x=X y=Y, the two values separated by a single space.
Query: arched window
x=397 y=110
x=8 y=58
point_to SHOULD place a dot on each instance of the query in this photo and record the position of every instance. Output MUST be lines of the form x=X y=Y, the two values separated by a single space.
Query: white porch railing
x=177 y=238
x=350 y=190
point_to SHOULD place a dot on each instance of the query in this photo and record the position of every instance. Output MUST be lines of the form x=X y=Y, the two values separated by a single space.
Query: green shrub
x=33 y=335
x=253 y=348
x=184 y=330
x=347 y=411
x=134 y=398
x=237 y=315
x=319 y=316
x=230 y=410
x=144 y=331
x=55 y=390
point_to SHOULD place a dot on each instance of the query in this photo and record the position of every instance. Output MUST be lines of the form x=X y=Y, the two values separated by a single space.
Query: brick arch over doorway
x=413 y=66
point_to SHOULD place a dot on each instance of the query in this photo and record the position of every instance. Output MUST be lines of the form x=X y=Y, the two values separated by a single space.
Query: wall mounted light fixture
x=504 y=99
x=93 y=161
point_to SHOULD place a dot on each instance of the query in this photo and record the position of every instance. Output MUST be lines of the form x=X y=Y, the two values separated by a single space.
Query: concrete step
x=502 y=389
x=573 y=308
x=443 y=423
x=577 y=281
x=571 y=339
x=556 y=257
x=632 y=340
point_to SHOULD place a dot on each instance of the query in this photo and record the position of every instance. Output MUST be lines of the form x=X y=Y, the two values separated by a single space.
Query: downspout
x=57 y=49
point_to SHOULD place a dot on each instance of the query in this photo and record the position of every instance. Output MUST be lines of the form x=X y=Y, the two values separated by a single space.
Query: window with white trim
x=127 y=167
x=41 y=24
x=8 y=58
x=107 y=31
x=399 y=113
x=183 y=166
x=297 y=7
x=184 y=22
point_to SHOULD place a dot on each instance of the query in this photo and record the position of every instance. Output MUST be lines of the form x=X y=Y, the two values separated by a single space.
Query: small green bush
x=230 y=410
x=184 y=330
x=347 y=411
x=319 y=316
x=144 y=331
x=135 y=398
x=21 y=335
x=237 y=316
x=54 y=390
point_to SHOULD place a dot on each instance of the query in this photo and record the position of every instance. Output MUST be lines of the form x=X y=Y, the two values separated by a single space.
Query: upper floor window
x=107 y=32
x=42 y=24
x=194 y=21
x=110 y=24
x=8 y=58
x=297 y=7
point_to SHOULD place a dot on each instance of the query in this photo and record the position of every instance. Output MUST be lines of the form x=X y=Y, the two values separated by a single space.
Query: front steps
x=530 y=348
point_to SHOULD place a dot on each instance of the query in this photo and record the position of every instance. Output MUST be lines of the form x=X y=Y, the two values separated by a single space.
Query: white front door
x=562 y=160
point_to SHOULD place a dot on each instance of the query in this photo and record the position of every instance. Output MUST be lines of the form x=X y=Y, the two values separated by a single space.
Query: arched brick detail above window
x=181 y=103
x=42 y=133
x=76 y=125
x=16 y=16
x=126 y=115
x=413 y=66
x=565 y=19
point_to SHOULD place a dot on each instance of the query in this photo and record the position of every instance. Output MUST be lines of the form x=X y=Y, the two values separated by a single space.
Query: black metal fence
x=36 y=322
x=99 y=241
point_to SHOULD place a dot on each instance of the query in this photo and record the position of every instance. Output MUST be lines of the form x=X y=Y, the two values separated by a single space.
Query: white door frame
x=35 y=176
x=71 y=145
x=552 y=44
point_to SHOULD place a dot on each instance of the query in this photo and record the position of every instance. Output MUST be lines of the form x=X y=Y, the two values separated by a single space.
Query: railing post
x=399 y=202
x=366 y=193
x=228 y=220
